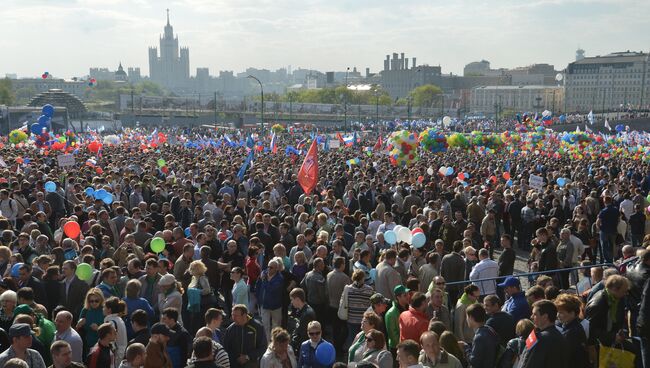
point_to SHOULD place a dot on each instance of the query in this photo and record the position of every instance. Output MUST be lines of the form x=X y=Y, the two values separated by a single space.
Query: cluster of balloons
x=446 y=171
x=17 y=136
x=111 y=140
x=162 y=165
x=458 y=140
x=414 y=237
x=45 y=75
x=405 y=148
x=92 y=82
x=94 y=146
x=101 y=194
x=433 y=141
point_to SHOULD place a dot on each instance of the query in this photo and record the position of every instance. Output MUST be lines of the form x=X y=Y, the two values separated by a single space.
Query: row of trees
x=422 y=96
x=7 y=96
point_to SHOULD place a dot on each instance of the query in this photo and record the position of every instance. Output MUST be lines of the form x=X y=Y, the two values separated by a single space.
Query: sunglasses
x=314 y=333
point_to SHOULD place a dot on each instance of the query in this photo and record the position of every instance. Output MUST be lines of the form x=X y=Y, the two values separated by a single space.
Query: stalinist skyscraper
x=170 y=69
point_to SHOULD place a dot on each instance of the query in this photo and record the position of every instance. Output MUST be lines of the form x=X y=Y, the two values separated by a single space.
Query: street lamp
x=345 y=101
x=262 y=95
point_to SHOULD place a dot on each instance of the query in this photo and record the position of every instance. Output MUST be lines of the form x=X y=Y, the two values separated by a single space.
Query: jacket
x=391 y=319
x=549 y=351
x=157 y=356
x=301 y=319
x=382 y=358
x=73 y=298
x=307 y=356
x=504 y=325
x=638 y=274
x=598 y=314
x=269 y=360
x=517 y=306
x=643 y=320
x=452 y=269
x=575 y=340
x=444 y=360
x=249 y=339
x=387 y=278
x=336 y=281
x=268 y=291
x=315 y=286
x=179 y=346
x=483 y=351
x=412 y=324
x=461 y=329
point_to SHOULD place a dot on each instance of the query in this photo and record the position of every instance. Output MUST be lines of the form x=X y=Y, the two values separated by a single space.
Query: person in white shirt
x=484 y=269
x=8 y=207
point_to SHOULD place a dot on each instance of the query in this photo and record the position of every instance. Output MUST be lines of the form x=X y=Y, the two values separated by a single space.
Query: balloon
x=71 y=229
x=442 y=170
x=561 y=182
x=416 y=230
x=397 y=228
x=430 y=171
x=461 y=176
x=50 y=186
x=94 y=146
x=404 y=235
x=44 y=120
x=446 y=121
x=161 y=162
x=509 y=183
x=449 y=171
x=90 y=191
x=99 y=194
x=619 y=128
x=84 y=272
x=418 y=240
x=506 y=175
x=187 y=231
x=325 y=353
x=157 y=244
x=48 y=110
x=36 y=128
x=390 y=237
x=14 y=270
x=108 y=199
x=222 y=235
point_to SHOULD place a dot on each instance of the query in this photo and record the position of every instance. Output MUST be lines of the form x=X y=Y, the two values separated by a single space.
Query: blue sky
x=66 y=37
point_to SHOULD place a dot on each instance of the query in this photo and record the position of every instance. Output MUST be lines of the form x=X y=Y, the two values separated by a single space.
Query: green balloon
x=161 y=162
x=157 y=245
x=84 y=271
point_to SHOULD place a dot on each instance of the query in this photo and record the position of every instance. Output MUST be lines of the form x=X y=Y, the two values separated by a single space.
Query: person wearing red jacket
x=414 y=322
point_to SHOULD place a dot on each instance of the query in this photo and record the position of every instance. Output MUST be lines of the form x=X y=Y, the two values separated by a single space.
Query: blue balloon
x=450 y=171
x=187 y=232
x=48 y=110
x=36 y=128
x=43 y=120
x=108 y=198
x=509 y=183
x=90 y=191
x=418 y=240
x=99 y=194
x=50 y=187
x=620 y=128
x=325 y=353
x=15 y=270
x=561 y=182
x=390 y=237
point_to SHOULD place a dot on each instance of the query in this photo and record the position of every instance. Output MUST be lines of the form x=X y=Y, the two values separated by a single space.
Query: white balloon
x=404 y=235
x=446 y=121
x=430 y=171
x=396 y=229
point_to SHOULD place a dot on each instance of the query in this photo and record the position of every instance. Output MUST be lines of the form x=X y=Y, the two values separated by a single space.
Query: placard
x=65 y=160
x=536 y=182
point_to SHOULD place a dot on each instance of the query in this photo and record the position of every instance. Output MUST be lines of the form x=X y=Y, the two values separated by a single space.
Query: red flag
x=379 y=144
x=531 y=340
x=340 y=138
x=308 y=174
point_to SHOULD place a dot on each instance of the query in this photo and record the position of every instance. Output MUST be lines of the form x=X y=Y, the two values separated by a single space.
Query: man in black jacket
x=643 y=324
x=502 y=322
x=483 y=350
x=545 y=344
x=244 y=340
x=300 y=316
x=72 y=291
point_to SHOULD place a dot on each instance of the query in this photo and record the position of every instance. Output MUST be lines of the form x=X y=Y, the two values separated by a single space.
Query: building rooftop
x=615 y=57
x=505 y=88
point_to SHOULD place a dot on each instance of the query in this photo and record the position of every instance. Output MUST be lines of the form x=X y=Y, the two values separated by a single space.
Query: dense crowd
x=256 y=273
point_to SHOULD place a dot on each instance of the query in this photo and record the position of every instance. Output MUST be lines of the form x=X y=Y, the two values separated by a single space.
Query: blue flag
x=244 y=166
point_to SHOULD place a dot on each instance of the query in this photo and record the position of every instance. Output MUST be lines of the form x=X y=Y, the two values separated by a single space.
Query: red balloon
x=94 y=146
x=222 y=236
x=461 y=176
x=493 y=179
x=71 y=229
x=416 y=230
x=506 y=175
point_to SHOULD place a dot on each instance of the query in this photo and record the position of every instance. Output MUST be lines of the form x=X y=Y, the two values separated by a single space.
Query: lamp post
x=215 y=110
x=262 y=95
x=345 y=102
x=290 y=107
x=408 y=107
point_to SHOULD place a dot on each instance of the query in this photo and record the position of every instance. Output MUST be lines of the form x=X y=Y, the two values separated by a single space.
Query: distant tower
x=170 y=68
x=120 y=74
x=580 y=54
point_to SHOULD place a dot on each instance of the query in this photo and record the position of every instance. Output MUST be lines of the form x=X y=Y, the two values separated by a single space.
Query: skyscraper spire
x=167 y=16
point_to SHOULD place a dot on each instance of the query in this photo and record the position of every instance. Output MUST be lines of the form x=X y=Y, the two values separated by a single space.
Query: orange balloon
x=71 y=229
x=506 y=175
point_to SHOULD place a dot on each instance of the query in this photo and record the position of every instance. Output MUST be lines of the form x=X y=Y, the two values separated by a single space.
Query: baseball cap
x=400 y=289
x=510 y=281
x=19 y=329
x=377 y=298
x=161 y=329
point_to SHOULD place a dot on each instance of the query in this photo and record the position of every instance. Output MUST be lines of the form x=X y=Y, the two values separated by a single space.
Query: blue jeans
x=607 y=243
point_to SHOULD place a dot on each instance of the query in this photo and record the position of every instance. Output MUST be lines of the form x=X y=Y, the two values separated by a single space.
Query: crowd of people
x=255 y=272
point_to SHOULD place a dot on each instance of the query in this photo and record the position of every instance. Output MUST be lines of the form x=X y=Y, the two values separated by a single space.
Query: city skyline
x=320 y=35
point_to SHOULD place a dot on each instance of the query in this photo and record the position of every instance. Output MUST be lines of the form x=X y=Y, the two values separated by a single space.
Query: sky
x=67 y=37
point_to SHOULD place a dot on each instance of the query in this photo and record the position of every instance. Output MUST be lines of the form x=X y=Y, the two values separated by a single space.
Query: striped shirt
x=358 y=301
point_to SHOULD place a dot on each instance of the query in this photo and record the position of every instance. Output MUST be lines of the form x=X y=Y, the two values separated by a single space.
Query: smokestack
x=413 y=62
x=406 y=63
x=401 y=61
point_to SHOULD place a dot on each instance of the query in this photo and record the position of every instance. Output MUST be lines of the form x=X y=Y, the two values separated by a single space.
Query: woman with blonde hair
x=91 y=317
x=199 y=295
x=279 y=353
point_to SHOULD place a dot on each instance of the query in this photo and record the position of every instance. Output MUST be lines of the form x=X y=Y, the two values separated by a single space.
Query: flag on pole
x=578 y=129
x=587 y=129
x=326 y=145
x=308 y=174
x=590 y=117
x=274 y=146
x=379 y=144
x=607 y=125
x=244 y=166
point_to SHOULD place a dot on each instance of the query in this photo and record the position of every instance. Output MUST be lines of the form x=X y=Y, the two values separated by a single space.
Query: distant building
x=39 y=85
x=102 y=74
x=580 y=54
x=486 y=99
x=609 y=82
x=170 y=68
x=120 y=74
x=134 y=75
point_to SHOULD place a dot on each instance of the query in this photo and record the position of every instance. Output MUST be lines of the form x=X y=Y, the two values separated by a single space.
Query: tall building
x=608 y=82
x=170 y=68
x=120 y=74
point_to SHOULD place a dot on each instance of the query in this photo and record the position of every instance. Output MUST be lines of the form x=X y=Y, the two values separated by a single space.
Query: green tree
x=426 y=95
x=6 y=94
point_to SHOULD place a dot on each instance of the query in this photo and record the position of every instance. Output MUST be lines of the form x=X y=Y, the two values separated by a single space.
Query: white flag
x=578 y=129
x=587 y=129
x=590 y=117
x=607 y=125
